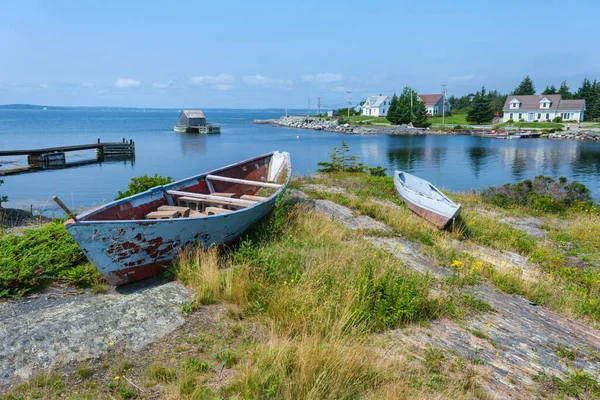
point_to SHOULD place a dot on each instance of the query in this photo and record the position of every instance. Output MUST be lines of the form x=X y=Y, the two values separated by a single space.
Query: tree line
x=407 y=108
x=483 y=105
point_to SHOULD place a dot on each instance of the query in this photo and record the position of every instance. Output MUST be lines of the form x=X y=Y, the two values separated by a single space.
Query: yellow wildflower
x=399 y=246
x=497 y=354
x=285 y=282
x=457 y=264
x=111 y=343
x=488 y=324
x=117 y=378
x=592 y=301
x=291 y=281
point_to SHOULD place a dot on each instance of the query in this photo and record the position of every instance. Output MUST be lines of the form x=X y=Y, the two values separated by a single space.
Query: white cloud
x=127 y=83
x=224 y=87
x=218 y=82
x=43 y=86
x=326 y=77
x=162 y=85
x=88 y=84
x=462 y=78
x=271 y=83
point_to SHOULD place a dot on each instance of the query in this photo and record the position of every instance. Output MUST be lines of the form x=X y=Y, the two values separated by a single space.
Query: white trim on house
x=376 y=106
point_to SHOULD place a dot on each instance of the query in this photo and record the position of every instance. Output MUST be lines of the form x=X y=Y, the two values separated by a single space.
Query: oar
x=65 y=209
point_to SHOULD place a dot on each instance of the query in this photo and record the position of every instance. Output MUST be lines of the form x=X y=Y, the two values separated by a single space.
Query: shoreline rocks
x=575 y=135
x=319 y=124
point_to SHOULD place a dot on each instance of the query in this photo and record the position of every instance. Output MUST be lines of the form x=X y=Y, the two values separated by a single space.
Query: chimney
x=541 y=94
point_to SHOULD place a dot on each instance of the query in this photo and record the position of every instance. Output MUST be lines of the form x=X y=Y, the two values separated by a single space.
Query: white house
x=542 y=108
x=434 y=103
x=376 y=106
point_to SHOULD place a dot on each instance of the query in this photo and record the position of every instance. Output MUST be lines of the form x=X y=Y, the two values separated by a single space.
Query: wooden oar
x=65 y=209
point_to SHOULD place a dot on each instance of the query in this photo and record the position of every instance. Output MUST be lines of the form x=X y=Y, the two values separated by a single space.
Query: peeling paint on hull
x=129 y=251
x=125 y=248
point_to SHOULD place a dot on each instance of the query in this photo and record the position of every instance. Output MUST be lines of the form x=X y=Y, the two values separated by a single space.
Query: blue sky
x=257 y=54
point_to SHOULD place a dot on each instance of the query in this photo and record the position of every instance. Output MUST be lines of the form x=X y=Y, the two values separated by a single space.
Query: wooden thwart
x=210 y=197
x=243 y=181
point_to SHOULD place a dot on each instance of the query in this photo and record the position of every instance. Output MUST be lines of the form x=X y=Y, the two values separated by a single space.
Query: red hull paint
x=438 y=220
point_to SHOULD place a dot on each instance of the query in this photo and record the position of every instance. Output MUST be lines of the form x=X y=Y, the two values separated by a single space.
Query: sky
x=273 y=54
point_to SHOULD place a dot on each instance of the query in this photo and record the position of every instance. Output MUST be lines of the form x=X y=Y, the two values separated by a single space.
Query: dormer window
x=514 y=104
x=545 y=103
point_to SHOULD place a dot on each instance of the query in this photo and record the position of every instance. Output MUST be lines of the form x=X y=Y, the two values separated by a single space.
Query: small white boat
x=425 y=199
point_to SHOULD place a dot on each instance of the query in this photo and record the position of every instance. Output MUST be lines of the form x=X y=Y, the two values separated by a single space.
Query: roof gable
x=375 y=101
x=430 y=99
x=193 y=113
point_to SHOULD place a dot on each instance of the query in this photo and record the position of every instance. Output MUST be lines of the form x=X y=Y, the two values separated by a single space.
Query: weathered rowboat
x=425 y=199
x=138 y=236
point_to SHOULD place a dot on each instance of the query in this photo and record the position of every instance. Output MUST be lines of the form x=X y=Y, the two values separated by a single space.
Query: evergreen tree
x=593 y=112
x=564 y=91
x=525 y=88
x=482 y=110
x=550 y=90
x=391 y=114
x=419 y=113
x=585 y=91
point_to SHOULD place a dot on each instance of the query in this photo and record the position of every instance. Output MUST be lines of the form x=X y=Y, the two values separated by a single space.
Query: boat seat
x=184 y=211
x=192 y=203
x=252 y=198
x=163 y=215
x=216 y=210
x=224 y=194
x=196 y=214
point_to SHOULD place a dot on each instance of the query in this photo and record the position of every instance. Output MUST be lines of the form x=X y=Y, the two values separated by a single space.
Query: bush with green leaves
x=542 y=194
x=142 y=183
x=340 y=160
x=31 y=261
x=557 y=119
x=2 y=198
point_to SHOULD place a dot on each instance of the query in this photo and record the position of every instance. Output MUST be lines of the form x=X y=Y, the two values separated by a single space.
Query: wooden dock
x=56 y=155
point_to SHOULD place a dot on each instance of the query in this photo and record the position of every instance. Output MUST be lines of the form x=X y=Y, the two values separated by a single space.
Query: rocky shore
x=333 y=126
x=575 y=135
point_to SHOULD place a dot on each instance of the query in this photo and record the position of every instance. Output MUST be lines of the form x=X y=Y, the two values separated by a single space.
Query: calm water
x=453 y=162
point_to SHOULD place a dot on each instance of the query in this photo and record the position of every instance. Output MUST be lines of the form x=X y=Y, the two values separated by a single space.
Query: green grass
x=367 y=119
x=30 y=262
x=546 y=125
x=455 y=119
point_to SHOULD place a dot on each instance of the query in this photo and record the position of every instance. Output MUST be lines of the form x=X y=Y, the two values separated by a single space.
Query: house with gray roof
x=376 y=106
x=542 y=108
x=435 y=104
x=192 y=118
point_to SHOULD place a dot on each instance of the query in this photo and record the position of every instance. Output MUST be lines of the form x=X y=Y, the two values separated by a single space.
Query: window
x=547 y=116
x=520 y=116
x=539 y=116
x=511 y=115
x=383 y=111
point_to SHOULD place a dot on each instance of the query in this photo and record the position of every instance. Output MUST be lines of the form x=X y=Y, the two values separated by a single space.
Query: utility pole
x=349 y=103
x=308 y=111
x=443 y=102
x=411 y=105
x=319 y=106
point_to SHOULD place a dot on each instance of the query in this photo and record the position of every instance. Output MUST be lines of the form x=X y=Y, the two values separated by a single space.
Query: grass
x=546 y=125
x=30 y=262
x=454 y=119
x=367 y=119
x=305 y=304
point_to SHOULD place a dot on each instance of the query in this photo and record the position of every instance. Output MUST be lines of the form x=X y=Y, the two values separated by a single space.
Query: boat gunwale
x=164 y=188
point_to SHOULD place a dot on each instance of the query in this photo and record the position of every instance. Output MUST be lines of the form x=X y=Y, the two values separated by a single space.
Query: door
x=531 y=116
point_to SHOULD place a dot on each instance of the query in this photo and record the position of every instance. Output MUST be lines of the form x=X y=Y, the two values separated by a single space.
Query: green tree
x=482 y=110
x=143 y=183
x=409 y=109
x=391 y=114
x=586 y=90
x=525 y=88
x=564 y=91
x=593 y=112
x=550 y=90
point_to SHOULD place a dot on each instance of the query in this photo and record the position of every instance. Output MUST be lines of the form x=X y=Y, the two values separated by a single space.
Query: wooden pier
x=50 y=157
x=56 y=155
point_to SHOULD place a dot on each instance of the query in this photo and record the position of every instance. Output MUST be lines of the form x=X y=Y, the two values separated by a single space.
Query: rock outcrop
x=320 y=124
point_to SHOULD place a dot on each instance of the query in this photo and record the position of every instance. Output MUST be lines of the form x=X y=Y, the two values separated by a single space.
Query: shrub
x=142 y=183
x=377 y=171
x=458 y=127
x=510 y=121
x=542 y=194
x=521 y=120
x=31 y=261
x=557 y=119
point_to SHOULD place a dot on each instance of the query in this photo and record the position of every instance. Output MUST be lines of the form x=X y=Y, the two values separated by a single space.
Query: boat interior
x=221 y=191
x=422 y=187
